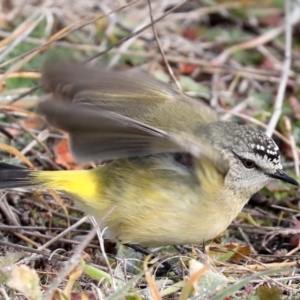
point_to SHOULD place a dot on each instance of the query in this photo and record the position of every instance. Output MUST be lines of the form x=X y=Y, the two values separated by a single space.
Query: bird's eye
x=248 y=163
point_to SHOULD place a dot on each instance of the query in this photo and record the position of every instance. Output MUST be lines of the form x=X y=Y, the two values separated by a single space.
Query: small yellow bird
x=176 y=174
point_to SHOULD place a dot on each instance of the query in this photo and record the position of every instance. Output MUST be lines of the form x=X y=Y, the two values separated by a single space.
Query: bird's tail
x=85 y=184
x=13 y=176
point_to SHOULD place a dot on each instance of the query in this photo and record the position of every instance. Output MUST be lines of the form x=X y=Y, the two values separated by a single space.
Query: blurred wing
x=102 y=135
x=115 y=87
x=111 y=115
x=130 y=93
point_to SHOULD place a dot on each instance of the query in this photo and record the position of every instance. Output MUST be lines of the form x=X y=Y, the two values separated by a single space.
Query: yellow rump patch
x=81 y=183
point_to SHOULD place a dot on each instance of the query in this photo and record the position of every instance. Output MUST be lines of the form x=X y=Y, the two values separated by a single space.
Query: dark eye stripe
x=243 y=160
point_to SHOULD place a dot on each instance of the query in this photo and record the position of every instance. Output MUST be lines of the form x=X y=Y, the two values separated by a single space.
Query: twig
x=272 y=266
x=286 y=67
x=245 y=237
x=291 y=18
x=19 y=34
x=100 y=235
x=22 y=95
x=69 y=229
x=4 y=294
x=59 y=35
x=161 y=49
x=134 y=33
x=242 y=105
x=72 y=263
x=126 y=45
x=255 y=74
x=33 y=136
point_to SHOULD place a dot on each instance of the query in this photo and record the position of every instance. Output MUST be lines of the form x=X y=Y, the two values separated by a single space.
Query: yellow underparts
x=83 y=183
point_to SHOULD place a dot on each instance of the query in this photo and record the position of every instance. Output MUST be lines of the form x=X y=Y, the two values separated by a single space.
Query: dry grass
x=239 y=56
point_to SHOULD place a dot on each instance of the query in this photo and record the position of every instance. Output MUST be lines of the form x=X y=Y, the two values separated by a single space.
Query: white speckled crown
x=265 y=147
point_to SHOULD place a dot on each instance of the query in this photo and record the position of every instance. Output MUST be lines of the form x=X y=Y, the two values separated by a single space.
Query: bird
x=174 y=174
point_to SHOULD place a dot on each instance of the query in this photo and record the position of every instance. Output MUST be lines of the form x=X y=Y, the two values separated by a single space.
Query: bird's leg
x=167 y=265
x=181 y=249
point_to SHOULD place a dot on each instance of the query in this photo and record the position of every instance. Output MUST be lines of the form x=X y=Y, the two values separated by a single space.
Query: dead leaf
x=267 y=64
x=295 y=105
x=240 y=252
x=190 y=33
x=2 y=86
x=275 y=20
x=64 y=157
x=295 y=238
x=187 y=69
x=31 y=123
x=26 y=281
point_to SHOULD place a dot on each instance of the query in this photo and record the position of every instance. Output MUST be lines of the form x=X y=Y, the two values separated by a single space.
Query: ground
x=239 y=57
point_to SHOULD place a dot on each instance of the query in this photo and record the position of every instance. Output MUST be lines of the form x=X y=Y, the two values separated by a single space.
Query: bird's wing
x=103 y=135
x=130 y=93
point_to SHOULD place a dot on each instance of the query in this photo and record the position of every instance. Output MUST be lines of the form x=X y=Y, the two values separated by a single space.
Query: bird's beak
x=281 y=175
